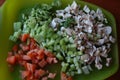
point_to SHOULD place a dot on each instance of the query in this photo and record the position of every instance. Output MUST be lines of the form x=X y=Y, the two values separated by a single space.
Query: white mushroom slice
x=100 y=25
x=97 y=53
x=101 y=41
x=108 y=60
x=62 y=28
x=81 y=48
x=74 y=5
x=60 y=11
x=81 y=35
x=100 y=15
x=86 y=9
x=88 y=29
x=108 y=45
x=98 y=59
x=79 y=42
x=60 y=14
x=67 y=9
x=55 y=22
x=92 y=12
x=108 y=30
x=69 y=31
x=103 y=48
x=112 y=39
x=104 y=53
x=77 y=19
x=98 y=66
x=67 y=15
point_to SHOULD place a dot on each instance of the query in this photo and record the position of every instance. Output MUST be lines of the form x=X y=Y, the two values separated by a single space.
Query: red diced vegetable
x=30 y=67
x=69 y=78
x=55 y=60
x=39 y=73
x=42 y=63
x=49 y=60
x=49 y=54
x=40 y=54
x=45 y=78
x=26 y=57
x=24 y=37
x=32 y=58
x=25 y=74
x=51 y=75
x=15 y=48
x=65 y=77
x=11 y=60
x=24 y=47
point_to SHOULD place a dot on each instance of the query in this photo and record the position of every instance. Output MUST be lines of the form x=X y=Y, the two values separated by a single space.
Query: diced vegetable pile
x=33 y=58
x=76 y=38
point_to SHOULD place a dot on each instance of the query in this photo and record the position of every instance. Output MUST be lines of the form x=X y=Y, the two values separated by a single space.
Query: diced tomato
x=35 y=60
x=32 y=40
x=31 y=54
x=55 y=60
x=23 y=63
x=26 y=57
x=42 y=63
x=51 y=75
x=69 y=78
x=18 y=57
x=24 y=37
x=32 y=58
x=40 y=54
x=39 y=73
x=45 y=78
x=15 y=48
x=25 y=47
x=63 y=76
x=20 y=51
x=25 y=74
x=11 y=60
x=49 y=60
x=49 y=54
x=33 y=44
x=30 y=67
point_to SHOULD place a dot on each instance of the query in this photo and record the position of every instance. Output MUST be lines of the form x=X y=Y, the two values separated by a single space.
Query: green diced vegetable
x=85 y=70
x=59 y=56
x=72 y=67
x=17 y=34
x=64 y=66
x=17 y=26
x=12 y=38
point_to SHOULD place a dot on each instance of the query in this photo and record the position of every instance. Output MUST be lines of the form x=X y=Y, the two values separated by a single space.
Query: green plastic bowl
x=11 y=11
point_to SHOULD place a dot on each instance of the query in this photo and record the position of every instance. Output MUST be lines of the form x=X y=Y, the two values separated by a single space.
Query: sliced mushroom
x=108 y=30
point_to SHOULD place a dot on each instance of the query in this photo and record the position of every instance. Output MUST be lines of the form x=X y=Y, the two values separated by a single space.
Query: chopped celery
x=69 y=59
x=64 y=66
x=59 y=56
x=17 y=26
x=12 y=38
x=79 y=71
x=17 y=34
x=72 y=67
x=85 y=70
